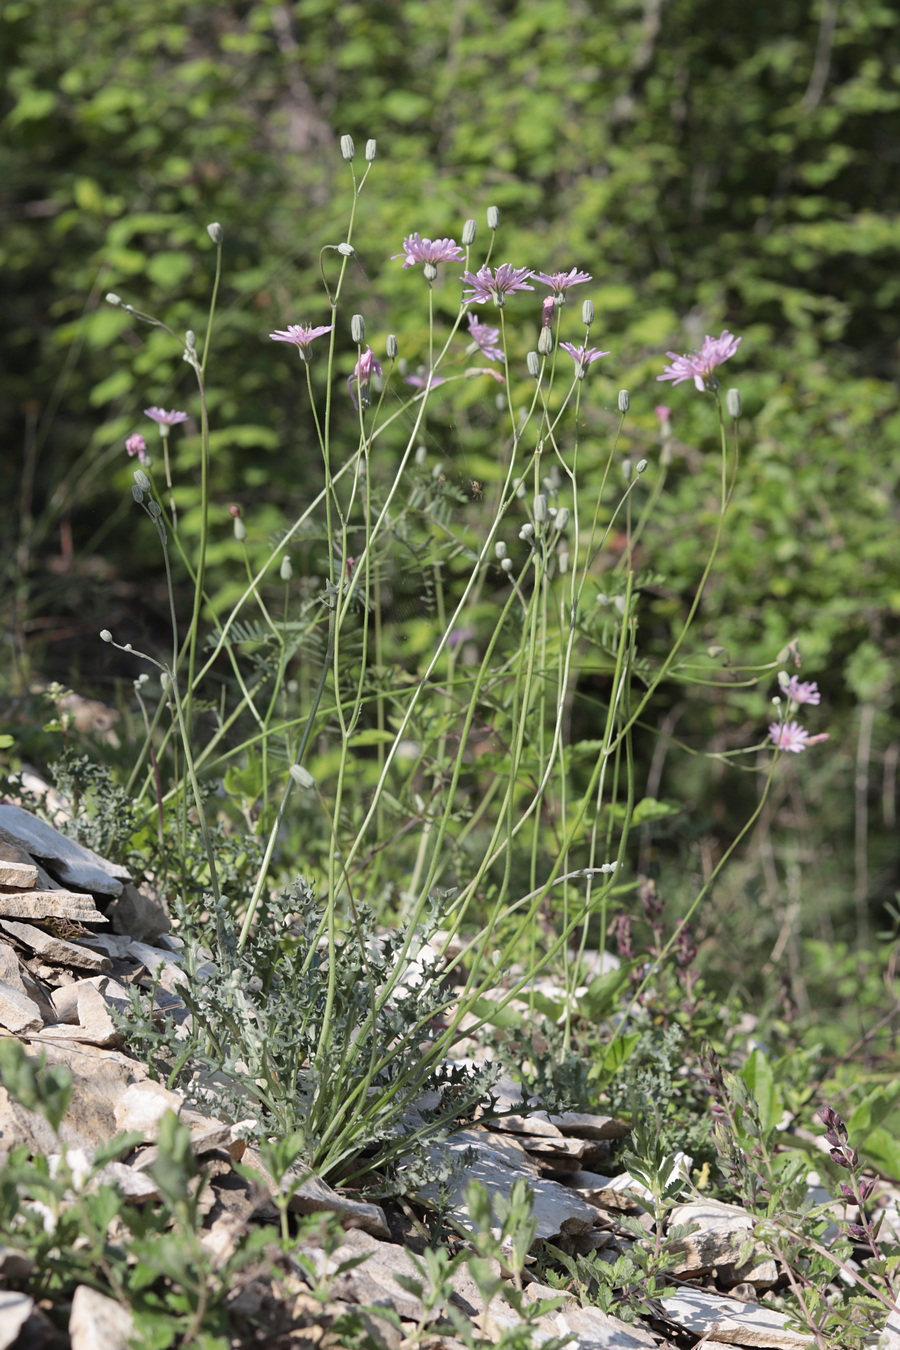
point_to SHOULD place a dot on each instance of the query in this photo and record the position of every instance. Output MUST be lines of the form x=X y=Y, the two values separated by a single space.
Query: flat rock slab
x=733 y=1323
x=18 y=874
x=17 y=1011
x=56 y=904
x=15 y=1310
x=142 y=1106
x=597 y=1330
x=70 y=862
x=92 y=1023
x=55 y=950
x=722 y=1231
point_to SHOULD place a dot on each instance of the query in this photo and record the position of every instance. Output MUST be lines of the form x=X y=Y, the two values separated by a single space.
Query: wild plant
x=474 y=792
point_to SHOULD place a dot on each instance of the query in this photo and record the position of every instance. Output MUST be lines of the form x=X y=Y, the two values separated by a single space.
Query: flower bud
x=540 y=508
x=112 y=298
x=392 y=346
x=533 y=362
x=624 y=400
x=626 y=468
x=421 y=452
x=733 y=402
x=302 y=777
x=469 y=231
x=640 y=466
x=493 y=217
x=500 y=549
x=286 y=571
x=346 y=250
x=371 y=150
x=348 y=149
x=506 y=564
x=154 y=509
x=105 y=635
x=136 y=493
x=240 y=530
x=562 y=518
x=141 y=479
x=215 y=232
x=563 y=562
x=587 y=312
x=527 y=532
x=358 y=329
x=545 y=341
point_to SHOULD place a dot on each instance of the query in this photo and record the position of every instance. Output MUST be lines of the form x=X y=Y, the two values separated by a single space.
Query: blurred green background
x=711 y=166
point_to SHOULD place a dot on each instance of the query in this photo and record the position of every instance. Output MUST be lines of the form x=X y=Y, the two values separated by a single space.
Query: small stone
x=17 y=1012
x=55 y=949
x=93 y=1024
x=99 y=1323
x=70 y=862
x=142 y=1106
x=21 y=875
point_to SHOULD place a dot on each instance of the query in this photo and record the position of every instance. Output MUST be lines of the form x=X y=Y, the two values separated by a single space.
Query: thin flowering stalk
x=165 y=421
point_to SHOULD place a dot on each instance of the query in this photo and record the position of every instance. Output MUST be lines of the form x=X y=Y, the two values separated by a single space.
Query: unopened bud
x=562 y=518
x=540 y=508
x=105 y=635
x=136 y=493
x=640 y=466
x=587 y=312
x=348 y=149
x=346 y=250
x=302 y=777
x=154 y=509
x=545 y=341
x=626 y=468
x=493 y=217
x=563 y=562
x=469 y=230
x=286 y=571
x=733 y=402
x=392 y=346
x=500 y=549
x=420 y=455
x=215 y=232
x=371 y=150
x=190 y=340
x=624 y=400
x=358 y=329
x=112 y=298
x=527 y=532
x=533 y=363
x=506 y=564
x=240 y=530
x=141 y=479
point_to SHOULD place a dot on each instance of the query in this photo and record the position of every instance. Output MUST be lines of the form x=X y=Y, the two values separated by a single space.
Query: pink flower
x=485 y=338
x=301 y=334
x=800 y=691
x=165 y=419
x=582 y=356
x=365 y=368
x=419 y=250
x=699 y=366
x=485 y=285
x=421 y=381
x=663 y=414
x=791 y=736
x=559 y=282
x=136 y=445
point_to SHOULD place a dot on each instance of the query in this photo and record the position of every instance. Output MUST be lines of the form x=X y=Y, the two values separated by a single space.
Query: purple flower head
x=800 y=691
x=582 y=356
x=485 y=285
x=485 y=338
x=420 y=381
x=559 y=282
x=363 y=371
x=165 y=419
x=136 y=445
x=699 y=366
x=301 y=335
x=419 y=250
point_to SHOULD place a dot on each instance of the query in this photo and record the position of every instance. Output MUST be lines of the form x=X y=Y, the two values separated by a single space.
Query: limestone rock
x=99 y=1323
x=17 y=1011
x=722 y=1231
x=597 y=1330
x=15 y=1310
x=55 y=904
x=142 y=1106
x=17 y=874
x=55 y=949
x=732 y=1323
x=92 y=1022
x=70 y=862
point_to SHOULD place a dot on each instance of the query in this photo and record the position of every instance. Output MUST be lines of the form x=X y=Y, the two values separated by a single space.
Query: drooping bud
x=358 y=329
x=112 y=298
x=371 y=150
x=527 y=532
x=105 y=635
x=587 y=312
x=493 y=217
x=215 y=232
x=533 y=362
x=469 y=230
x=624 y=400
x=348 y=149
x=346 y=250
x=733 y=402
